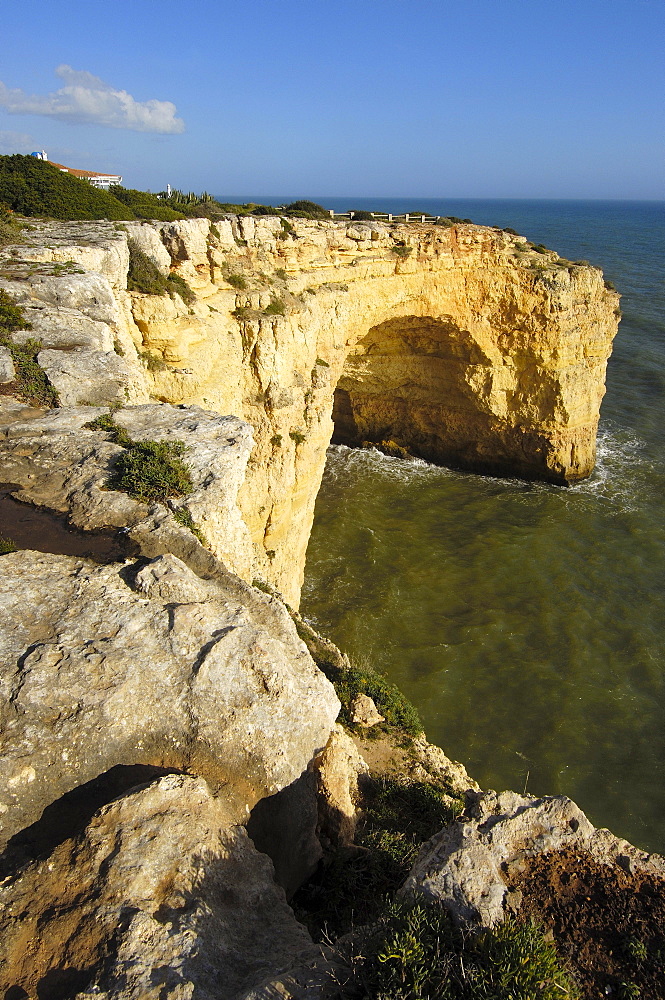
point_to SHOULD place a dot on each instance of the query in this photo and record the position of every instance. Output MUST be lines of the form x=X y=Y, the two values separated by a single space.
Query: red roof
x=80 y=173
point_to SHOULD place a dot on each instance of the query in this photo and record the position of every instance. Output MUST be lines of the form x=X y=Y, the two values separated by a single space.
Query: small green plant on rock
x=417 y=953
x=6 y=546
x=176 y=283
x=152 y=470
x=297 y=436
x=31 y=383
x=237 y=281
x=153 y=362
x=402 y=251
x=184 y=517
x=276 y=308
x=146 y=470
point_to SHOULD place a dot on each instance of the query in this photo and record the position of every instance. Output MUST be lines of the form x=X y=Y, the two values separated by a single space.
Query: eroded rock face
x=161 y=896
x=467 y=866
x=462 y=345
x=104 y=666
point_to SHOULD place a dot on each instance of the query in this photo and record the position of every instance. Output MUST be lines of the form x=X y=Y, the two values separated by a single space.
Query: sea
x=525 y=621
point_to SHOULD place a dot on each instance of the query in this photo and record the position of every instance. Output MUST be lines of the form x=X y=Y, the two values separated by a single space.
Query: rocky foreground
x=172 y=771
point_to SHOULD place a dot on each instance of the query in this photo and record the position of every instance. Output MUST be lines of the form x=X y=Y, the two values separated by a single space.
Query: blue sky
x=420 y=98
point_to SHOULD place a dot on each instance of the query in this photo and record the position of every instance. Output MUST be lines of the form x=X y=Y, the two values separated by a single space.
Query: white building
x=97 y=180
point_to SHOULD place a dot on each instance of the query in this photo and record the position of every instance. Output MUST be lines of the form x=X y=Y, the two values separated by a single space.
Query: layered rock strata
x=463 y=345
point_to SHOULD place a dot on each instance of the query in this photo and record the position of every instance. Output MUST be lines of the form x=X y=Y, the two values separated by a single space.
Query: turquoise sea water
x=525 y=621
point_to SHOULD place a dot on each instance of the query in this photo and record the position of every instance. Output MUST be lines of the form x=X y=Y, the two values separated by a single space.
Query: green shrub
x=144 y=275
x=152 y=470
x=307 y=210
x=237 y=281
x=297 y=436
x=6 y=546
x=402 y=250
x=264 y=210
x=360 y=216
x=146 y=470
x=106 y=422
x=417 y=953
x=10 y=227
x=281 y=274
x=35 y=187
x=144 y=205
x=276 y=440
x=11 y=315
x=276 y=308
x=176 y=283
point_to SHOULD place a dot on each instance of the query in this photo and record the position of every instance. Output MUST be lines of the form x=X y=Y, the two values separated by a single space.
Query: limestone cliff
x=147 y=705
x=462 y=344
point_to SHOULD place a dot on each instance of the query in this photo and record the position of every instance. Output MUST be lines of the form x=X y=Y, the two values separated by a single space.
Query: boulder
x=364 y=712
x=160 y=896
x=7 y=370
x=63 y=329
x=93 y=378
x=107 y=665
x=466 y=867
x=339 y=769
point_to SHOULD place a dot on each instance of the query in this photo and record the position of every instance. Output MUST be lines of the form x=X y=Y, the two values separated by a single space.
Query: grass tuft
x=146 y=470
x=6 y=546
x=184 y=517
x=417 y=953
x=31 y=383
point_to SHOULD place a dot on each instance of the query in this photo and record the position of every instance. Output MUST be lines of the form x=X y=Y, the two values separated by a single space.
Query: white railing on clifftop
x=388 y=217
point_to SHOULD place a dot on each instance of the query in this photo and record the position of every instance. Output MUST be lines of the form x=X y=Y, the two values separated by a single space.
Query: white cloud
x=86 y=98
x=15 y=142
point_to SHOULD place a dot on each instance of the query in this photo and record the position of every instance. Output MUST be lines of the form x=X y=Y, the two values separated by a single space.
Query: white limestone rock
x=100 y=669
x=147 y=237
x=90 y=294
x=63 y=464
x=62 y=329
x=187 y=239
x=7 y=370
x=93 y=378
